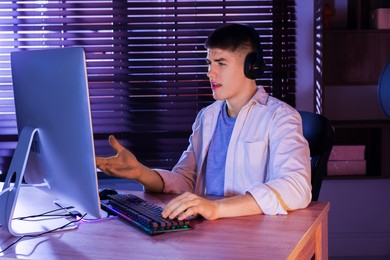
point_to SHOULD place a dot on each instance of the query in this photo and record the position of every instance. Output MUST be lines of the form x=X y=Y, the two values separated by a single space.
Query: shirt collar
x=260 y=97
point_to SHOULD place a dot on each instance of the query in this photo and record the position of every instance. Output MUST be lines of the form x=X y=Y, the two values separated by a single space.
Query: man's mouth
x=215 y=85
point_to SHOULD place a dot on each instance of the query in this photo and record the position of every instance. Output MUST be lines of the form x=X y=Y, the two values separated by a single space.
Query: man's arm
x=189 y=204
x=125 y=165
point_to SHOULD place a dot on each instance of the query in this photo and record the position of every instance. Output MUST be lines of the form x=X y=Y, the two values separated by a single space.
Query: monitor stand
x=9 y=194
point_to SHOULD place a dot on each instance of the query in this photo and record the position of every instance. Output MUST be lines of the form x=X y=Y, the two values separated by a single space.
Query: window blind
x=145 y=63
x=318 y=53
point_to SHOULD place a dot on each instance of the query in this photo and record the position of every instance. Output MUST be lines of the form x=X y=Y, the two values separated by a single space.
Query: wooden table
x=297 y=235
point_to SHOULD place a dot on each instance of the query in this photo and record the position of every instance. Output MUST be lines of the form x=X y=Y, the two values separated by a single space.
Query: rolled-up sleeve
x=288 y=180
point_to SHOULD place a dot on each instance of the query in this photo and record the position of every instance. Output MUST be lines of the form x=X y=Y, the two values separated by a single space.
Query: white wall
x=305 y=55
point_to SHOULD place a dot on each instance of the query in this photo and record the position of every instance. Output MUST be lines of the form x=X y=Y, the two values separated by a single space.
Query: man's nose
x=210 y=73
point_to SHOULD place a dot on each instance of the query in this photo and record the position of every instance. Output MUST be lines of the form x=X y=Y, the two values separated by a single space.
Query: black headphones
x=254 y=64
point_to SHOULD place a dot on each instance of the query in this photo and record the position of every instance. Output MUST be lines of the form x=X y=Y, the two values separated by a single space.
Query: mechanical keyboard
x=142 y=214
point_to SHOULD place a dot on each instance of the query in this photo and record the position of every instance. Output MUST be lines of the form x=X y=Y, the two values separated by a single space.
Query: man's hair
x=232 y=37
x=244 y=40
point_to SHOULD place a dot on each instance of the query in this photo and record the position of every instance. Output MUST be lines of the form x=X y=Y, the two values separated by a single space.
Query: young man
x=247 y=145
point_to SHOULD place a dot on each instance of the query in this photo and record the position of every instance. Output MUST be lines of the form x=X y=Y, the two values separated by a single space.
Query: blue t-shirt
x=216 y=157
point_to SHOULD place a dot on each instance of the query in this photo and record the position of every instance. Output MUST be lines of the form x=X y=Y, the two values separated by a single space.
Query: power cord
x=46 y=232
x=47 y=214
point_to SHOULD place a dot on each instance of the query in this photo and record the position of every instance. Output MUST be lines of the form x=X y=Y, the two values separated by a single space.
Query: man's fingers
x=179 y=205
x=115 y=144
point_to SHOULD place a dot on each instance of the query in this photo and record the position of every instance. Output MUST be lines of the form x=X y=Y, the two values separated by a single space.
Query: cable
x=46 y=214
x=73 y=213
x=43 y=233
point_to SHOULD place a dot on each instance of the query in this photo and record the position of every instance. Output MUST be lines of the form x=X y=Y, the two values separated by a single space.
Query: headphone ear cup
x=250 y=69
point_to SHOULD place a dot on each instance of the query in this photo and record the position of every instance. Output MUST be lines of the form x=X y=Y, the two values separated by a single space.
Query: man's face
x=226 y=73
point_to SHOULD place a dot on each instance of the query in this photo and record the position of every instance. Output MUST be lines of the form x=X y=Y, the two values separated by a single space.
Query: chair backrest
x=384 y=89
x=320 y=134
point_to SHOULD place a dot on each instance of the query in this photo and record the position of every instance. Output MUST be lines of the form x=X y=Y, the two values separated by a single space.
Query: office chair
x=320 y=135
x=384 y=89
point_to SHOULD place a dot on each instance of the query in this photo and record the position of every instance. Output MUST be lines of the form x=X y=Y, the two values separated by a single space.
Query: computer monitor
x=55 y=150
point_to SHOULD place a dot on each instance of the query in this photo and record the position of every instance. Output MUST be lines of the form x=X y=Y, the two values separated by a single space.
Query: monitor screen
x=53 y=113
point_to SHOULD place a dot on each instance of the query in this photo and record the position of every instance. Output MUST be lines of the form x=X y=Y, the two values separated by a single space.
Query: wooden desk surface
x=299 y=234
